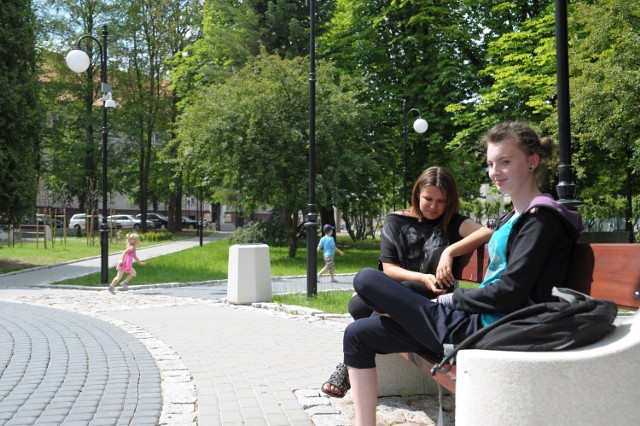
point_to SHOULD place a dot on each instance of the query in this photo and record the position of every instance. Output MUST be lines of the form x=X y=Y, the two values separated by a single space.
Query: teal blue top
x=497 y=249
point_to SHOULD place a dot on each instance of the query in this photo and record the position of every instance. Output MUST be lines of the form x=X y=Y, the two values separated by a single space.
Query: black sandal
x=340 y=380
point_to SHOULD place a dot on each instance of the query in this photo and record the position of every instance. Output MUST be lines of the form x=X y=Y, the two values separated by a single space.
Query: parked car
x=127 y=221
x=79 y=222
x=159 y=221
x=52 y=222
x=187 y=222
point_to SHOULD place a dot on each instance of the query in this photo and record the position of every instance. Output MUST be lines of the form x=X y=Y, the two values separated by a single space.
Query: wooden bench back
x=604 y=271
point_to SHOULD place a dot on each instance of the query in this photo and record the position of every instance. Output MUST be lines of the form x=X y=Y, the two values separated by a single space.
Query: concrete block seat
x=595 y=385
x=249 y=274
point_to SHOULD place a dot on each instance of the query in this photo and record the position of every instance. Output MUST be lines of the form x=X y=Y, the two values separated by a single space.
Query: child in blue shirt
x=328 y=246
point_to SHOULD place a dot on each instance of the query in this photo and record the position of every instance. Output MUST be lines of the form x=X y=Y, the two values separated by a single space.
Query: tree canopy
x=213 y=97
x=19 y=112
x=606 y=101
x=249 y=136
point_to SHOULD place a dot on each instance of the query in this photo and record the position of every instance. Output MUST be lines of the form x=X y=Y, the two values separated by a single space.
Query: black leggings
x=359 y=309
x=416 y=325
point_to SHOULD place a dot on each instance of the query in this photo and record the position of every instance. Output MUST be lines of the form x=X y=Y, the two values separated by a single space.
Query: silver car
x=127 y=221
x=79 y=222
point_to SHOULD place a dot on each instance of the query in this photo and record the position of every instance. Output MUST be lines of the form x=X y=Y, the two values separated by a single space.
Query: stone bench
x=594 y=385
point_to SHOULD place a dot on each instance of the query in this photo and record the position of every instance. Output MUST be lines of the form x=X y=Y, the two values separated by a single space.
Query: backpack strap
x=569 y=295
x=470 y=340
x=440 y=416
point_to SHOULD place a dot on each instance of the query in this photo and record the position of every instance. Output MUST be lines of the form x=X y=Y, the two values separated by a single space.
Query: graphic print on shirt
x=413 y=242
x=432 y=249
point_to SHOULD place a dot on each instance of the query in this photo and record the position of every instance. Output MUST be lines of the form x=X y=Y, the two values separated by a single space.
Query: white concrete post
x=249 y=274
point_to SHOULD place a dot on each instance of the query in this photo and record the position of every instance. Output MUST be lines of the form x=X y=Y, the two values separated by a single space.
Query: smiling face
x=432 y=202
x=509 y=167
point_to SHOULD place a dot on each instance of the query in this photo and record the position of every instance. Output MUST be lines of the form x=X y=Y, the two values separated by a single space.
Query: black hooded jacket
x=538 y=252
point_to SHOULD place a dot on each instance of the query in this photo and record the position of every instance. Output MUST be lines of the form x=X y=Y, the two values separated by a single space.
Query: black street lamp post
x=566 y=187
x=78 y=61
x=311 y=225
x=420 y=126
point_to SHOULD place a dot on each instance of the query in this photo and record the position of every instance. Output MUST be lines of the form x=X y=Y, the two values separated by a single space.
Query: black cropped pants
x=416 y=324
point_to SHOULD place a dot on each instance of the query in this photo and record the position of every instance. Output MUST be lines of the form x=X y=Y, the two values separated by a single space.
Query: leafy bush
x=271 y=232
x=275 y=232
x=254 y=232
x=157 y=236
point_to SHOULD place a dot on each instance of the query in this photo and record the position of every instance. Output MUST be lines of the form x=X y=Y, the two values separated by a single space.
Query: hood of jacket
x=572 y=218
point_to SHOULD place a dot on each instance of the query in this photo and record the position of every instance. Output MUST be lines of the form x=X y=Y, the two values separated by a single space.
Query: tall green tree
x=143 y=35
x=185 y=28
x=72 y=141
x=520 y=84
x=429 y=53
x=19 y=113
x=234 y=32
x=152 y=32
x=249 y=135
x=606 y=100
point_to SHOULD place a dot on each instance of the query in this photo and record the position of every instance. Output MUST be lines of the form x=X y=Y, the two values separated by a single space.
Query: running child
x=125 y=265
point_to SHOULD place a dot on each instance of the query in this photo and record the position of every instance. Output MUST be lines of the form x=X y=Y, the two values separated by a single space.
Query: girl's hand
x=444 y=272
x=431 y=282
x=141 y=263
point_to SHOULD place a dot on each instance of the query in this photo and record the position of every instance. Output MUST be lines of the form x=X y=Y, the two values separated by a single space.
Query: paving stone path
x=170 y=355
x=66 y=368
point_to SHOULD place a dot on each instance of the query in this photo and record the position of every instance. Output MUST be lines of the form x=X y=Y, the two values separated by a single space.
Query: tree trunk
x=292 y=233
x=628 y=213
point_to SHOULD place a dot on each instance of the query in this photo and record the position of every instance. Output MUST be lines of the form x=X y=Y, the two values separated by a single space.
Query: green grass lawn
x=29 y=254
x=210 y=262
x=206 y=263
x=24 y=255
x=333 y=302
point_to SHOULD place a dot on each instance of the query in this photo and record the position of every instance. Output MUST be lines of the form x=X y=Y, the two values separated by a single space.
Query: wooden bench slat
x=475 y=265
x=607 y=271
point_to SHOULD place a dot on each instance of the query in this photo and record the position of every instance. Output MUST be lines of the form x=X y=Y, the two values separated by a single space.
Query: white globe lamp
x=420 y=125
x=78 y=61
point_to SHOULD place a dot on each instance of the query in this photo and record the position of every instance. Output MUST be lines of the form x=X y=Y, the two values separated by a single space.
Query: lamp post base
x=104 y=253
x=311 y=227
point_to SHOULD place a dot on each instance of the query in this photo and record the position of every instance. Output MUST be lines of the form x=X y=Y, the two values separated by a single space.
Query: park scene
x=289 y=212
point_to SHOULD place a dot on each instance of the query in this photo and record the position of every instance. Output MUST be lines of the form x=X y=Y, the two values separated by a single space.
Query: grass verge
x=211 y=262
x=331 y=302
x=29 y=254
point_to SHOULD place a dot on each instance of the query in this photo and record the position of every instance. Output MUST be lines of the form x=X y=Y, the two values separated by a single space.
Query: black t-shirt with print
x=417 y=246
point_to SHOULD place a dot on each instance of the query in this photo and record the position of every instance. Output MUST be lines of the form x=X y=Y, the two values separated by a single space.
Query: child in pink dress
x=125 y=266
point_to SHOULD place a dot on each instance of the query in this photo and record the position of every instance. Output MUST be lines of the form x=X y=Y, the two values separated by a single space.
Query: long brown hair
x=440 y=178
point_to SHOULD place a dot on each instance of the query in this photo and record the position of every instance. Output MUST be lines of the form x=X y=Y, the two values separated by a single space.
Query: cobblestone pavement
x=173 y=355
x=62 y=367
x=221 y=364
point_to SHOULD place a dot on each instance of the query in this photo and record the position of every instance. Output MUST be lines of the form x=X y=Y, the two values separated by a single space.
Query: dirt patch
x=9 y=265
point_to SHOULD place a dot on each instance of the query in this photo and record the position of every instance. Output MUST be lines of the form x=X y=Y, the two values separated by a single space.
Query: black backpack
x=577 y=320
